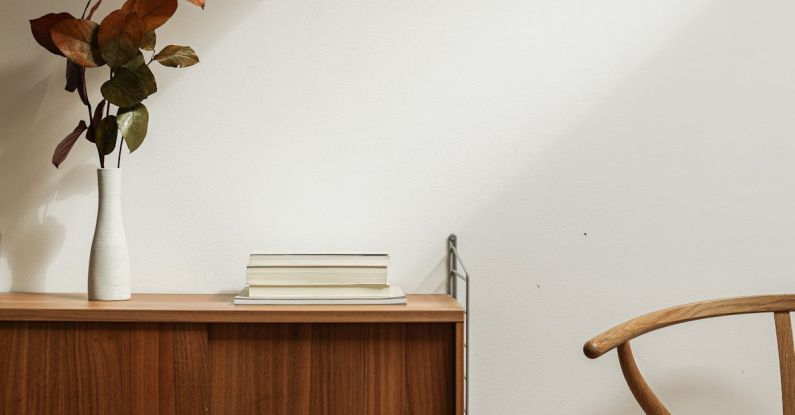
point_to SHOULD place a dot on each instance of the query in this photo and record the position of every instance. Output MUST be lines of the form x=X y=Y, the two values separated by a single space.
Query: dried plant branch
x=118 y=41
x=85 y=9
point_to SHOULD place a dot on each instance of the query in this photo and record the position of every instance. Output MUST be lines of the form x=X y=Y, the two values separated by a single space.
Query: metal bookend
x=453 y=275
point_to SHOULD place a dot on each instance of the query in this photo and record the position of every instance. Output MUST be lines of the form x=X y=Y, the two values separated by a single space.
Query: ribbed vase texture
x=109 y=265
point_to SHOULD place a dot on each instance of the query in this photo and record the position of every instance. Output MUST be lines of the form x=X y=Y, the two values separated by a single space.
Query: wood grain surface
x=460 y=368
x=786 y=360
x=646 y=398
x=229 y=368
x=620 y=336
x=101 y=368
x=204 y=308
x=317 y=369
x=628 y=330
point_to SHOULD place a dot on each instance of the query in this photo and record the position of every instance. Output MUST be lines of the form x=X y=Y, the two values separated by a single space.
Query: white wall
x=598 y=159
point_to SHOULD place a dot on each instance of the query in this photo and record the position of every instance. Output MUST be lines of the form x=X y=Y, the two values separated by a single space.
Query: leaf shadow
x=32 y=238
x=37 y=113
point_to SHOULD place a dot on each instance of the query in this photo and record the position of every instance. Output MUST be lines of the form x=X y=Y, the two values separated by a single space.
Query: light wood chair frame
x=620 y=336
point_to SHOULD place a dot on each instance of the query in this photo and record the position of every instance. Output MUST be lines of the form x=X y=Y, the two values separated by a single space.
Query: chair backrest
x=619 y=337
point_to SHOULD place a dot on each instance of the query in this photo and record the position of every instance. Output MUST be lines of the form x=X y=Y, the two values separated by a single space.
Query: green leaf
x=177 y=56
x=120 y=36
x=77 y=40
x=105 y=135
x=135 y=61
x=148 y=78
x=149 y=41
x=125 y=89
x=141 y=69
x=133 y=123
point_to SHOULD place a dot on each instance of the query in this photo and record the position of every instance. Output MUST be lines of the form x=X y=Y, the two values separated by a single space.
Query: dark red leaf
x=93 y=9
x=73 y=75
x=76 y=80
x=98 y=112
x=41 y=29
x=81 y=90
x=95 y=120
x=67 y=143
x=105 y=134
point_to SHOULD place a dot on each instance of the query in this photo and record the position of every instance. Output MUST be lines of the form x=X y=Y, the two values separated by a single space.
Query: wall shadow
x=32 y=237
x=663 y=193
x=38 y=113
x=708 y=390
x=434 y=281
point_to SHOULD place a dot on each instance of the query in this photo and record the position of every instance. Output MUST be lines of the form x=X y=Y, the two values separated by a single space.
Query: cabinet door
x=102 y=368
x=332 y=369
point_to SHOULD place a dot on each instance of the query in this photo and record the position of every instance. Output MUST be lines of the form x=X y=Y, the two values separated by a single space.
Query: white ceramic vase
x=109 y=264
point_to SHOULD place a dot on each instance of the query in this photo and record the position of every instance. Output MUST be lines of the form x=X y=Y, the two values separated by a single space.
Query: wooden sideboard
x=199 y=354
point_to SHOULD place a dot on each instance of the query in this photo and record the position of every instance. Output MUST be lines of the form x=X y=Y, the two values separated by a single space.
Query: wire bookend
x=453 y=275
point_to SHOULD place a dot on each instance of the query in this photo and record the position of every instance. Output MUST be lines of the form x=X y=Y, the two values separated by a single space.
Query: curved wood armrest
x=628 y=330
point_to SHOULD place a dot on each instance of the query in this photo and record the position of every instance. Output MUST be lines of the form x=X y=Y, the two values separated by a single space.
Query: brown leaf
x=149 y=41
x=95 y=120
x=41 y=30
x=76 y=80
x=65 y=146
x=93 y=9
x=199 y=3
x=76 y=38
x=120 y=35
x=153 y=13
x=177 y=56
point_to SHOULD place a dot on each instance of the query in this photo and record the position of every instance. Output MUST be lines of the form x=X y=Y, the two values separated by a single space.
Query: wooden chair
x=619 y=337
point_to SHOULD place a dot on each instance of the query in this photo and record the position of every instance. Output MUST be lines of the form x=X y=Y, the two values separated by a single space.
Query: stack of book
x=319 y=279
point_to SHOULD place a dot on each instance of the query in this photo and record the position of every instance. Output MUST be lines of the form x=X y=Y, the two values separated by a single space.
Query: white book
x=245 y=300
x=325 y=292
x=317 y=276
x=318 y=260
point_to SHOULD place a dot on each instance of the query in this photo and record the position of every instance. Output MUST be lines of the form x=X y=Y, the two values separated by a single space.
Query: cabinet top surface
x=218 y=308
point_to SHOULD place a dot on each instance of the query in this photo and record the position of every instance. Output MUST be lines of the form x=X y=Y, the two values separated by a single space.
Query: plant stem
x=121 y=145
x=107 y=107
x=91 y=116
x=85 y=9
x=107 y=111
